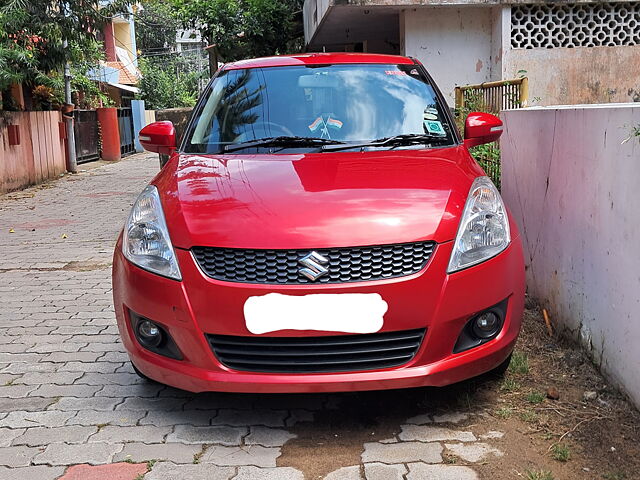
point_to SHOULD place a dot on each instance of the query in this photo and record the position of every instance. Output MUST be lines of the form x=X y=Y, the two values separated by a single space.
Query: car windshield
x=303 y=108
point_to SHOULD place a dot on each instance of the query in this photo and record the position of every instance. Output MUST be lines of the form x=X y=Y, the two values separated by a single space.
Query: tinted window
x=352 y=103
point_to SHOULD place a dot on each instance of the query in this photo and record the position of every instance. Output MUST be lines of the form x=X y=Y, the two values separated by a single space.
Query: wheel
x=141 y=375
x=501 y=369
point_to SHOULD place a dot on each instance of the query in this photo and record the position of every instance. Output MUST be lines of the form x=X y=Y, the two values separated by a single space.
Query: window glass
x=350 y=103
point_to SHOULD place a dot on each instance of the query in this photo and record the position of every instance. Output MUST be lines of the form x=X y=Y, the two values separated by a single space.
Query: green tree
x=156 y=26
x=32 y=33
x=168 y=82
x=243 y=28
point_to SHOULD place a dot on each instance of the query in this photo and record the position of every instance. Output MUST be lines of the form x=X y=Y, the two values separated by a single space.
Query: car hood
x=315 y=200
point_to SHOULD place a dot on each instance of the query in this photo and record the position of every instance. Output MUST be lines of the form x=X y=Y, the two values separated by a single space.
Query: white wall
x=572 y=182
x=454 y=44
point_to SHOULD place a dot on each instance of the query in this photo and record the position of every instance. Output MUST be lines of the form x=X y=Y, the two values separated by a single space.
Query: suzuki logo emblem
x=313 y=263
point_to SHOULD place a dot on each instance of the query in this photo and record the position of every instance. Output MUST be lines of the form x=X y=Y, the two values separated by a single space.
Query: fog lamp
x=149 y=333
x=486 y=325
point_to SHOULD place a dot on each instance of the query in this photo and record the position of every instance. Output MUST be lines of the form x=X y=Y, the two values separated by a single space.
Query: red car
x=321 y=227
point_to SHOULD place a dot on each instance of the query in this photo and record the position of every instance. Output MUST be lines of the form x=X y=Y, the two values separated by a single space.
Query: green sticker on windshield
x=434 y=127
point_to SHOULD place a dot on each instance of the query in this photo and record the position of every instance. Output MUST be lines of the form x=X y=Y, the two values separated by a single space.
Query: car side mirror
x=158 y=137
x=481 y=128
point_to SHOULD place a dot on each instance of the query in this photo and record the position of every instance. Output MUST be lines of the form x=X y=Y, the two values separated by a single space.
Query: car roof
x=318 y=59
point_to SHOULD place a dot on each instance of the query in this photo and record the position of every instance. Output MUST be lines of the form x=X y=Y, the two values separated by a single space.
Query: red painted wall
x=40 y=154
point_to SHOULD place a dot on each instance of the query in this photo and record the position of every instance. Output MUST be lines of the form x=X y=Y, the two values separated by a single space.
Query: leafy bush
x=168 y=82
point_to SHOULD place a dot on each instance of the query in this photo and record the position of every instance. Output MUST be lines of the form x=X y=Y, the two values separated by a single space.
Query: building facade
x=572 y=52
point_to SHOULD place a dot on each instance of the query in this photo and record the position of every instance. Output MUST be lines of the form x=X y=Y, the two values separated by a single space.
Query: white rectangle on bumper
x=334 y=312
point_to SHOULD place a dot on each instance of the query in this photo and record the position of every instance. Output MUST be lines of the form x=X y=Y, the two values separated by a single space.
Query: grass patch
x=535 y=397
x=560 y=452
x=510 y=385
x=615 y=476
x=539 y=475
x=519 y=363
x=504 y=412
x=529 y=416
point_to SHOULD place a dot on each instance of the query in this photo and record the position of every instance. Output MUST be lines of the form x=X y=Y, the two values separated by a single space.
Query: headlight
x=484 y=227
x=146 y=240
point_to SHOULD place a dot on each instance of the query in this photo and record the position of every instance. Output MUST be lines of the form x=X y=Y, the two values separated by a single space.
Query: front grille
x=351 y=264
x=342 y=353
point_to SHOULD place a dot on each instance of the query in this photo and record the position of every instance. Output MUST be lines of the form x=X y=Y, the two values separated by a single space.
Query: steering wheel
x=266 y=128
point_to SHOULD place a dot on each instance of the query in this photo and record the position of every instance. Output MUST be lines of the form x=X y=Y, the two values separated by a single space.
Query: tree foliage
x=168 y=82
x=243 y=28
x=32 y=33
x=156 y=26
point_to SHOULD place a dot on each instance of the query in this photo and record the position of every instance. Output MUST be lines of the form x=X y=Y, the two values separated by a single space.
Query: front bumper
x=442 y=303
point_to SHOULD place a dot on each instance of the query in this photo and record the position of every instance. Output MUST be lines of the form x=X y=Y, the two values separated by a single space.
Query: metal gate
x=125 y=126
x=87 y=135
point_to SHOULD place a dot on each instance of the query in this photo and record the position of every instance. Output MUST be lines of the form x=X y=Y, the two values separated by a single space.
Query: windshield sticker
x=317 y=123
x=434 y=127
x=395 y=72
x=324 y=125
x=430 y=114
x=333 y=123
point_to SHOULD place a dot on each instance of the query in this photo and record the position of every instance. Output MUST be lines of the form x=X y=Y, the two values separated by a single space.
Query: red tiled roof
x=124 y=75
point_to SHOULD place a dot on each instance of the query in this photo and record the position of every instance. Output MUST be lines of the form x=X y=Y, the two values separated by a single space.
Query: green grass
x=615 y=476
x=504 y=412
x=510 y=385
x=529 y=416
x=560 y=452
x=539 y=475
x=535 y=397
x=519 y=363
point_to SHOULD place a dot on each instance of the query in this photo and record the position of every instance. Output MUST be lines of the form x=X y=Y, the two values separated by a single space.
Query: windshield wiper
x=283 y=141
x=395 y=141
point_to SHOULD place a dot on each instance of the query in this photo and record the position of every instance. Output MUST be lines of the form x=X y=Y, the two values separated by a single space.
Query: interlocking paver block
x=44 y=436
x=35 y=419
x=118 y=434
x=65 y=454
x=268 y=437
x=278 y=473
x=41 y=472
x=426 y=433
x=268 y=418
x=172 y=452
x=473 y=452
x=402 y=452
x=8 y=434
x=450 y=417
x=221 y=435
x=420 y=471
x=345 y=473
x=74 y=404
x=17 y=456
x=167 y=470
x=247 y=455
x=380 y=471
x=151 y=404
x=118 y=417
x=113 y=471
x=176 y=417
x=16 y=391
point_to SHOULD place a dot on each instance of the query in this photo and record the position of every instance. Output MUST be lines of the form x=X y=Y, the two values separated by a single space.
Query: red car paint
x=312 y=201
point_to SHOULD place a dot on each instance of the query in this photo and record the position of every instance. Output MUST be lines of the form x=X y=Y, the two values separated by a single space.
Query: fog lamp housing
x=486 y=325
x=482 y=327
x=154 y=337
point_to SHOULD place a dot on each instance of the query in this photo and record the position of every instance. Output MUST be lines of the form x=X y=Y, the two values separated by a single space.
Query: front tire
x=142 y=375
x=501 y=369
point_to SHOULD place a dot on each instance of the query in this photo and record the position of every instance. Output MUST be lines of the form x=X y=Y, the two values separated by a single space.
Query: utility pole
x=68 y=116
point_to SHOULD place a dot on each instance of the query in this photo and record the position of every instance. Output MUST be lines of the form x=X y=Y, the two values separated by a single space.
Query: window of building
x=575 y=25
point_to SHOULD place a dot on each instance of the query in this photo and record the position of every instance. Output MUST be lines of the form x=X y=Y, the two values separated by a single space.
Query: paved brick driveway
x=68 y=395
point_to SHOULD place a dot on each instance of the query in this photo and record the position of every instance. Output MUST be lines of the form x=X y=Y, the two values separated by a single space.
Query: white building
x=584 y=52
